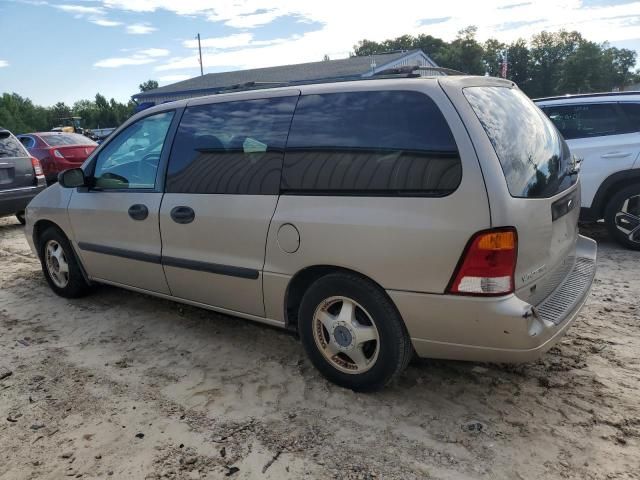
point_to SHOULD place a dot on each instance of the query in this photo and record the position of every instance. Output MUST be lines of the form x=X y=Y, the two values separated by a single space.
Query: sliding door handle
x=182 y=214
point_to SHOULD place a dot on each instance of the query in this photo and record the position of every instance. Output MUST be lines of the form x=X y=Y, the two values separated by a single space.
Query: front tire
x=622 y=217
x=353 y=333
x=21 y=218
x=60 y=266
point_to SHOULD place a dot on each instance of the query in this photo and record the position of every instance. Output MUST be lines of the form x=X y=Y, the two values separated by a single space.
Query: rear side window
x=590 y=120
x=535 y=159
x=10 y=146
x=632 y=111
x=231 y=147
x=28 y=142
x=370 y=143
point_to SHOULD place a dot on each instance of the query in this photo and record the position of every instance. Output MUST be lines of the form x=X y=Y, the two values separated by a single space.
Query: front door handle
x=138 y=211
x=616 y=155
x=182 y=214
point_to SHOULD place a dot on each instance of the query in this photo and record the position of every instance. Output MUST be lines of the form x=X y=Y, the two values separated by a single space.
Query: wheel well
x=301 y=282
x=611 y=186
x=39 y=227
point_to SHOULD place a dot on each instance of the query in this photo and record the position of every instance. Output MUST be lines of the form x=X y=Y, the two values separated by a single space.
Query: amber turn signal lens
x=497 y=241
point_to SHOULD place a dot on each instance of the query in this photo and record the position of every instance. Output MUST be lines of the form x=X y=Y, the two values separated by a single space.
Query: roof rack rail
x=409 y=71
x=252 y=85
x=586 y=95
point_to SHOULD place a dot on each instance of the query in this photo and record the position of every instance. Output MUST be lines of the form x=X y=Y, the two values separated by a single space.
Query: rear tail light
x=488 y=264
x=56 y=153
x=37 y=168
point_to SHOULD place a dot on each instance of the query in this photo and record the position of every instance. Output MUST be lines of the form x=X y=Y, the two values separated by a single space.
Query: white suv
x=603 y=130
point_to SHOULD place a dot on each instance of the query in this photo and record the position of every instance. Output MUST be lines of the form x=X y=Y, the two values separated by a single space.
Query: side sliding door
x=222 y=187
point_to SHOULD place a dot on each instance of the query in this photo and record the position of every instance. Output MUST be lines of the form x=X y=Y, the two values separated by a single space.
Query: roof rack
x=409 y=71
x=253 y=85
x=400 y=72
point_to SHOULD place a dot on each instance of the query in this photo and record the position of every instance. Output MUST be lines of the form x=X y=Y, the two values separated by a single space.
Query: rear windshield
x=62 y=139
x=10 y=147
x=534 y=158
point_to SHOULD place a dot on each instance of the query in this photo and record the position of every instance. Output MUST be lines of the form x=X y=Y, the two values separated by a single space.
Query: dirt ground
x=125 y=386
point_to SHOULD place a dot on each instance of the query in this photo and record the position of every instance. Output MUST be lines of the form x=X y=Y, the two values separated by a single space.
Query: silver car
x=379 y=219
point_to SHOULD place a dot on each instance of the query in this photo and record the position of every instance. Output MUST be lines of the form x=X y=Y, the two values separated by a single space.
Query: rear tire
x=622 y=217
x=21 y=218
x=353 y=333
x=60 y=265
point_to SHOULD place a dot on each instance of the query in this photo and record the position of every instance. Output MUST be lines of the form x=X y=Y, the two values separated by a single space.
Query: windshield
x=534 y=158
x=62 y=139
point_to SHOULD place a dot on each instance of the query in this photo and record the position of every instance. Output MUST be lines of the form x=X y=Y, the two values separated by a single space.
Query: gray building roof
x=347 y=68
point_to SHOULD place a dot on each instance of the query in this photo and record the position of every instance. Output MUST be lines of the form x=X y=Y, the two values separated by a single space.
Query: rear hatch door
x=531 y=182
x=16 y=170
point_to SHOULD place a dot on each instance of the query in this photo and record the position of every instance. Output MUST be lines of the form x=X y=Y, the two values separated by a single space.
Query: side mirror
x=72 y=178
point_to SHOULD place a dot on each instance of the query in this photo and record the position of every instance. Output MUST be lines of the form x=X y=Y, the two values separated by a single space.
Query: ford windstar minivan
x=377 y=218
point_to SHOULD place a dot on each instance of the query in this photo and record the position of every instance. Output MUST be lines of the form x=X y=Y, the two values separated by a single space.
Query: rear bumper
x=16 y=200
x=503 y=329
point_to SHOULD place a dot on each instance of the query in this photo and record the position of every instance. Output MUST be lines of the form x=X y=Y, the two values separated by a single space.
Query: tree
x=518 y=63
x=551 y=63
x=148 y=85
x=493 y=56
x=464 y=53
x=548 y=52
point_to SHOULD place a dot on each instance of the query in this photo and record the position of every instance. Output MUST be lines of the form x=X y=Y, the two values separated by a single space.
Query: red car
x=58 y=151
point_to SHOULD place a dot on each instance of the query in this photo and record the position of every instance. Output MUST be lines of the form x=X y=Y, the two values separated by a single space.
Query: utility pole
x=200 y=53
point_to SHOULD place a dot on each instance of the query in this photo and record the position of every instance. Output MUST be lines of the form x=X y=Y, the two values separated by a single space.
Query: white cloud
x=174 y=78
x=81 y=9
x=140 y=57
x=140 y=29
x=4 y=63
x=344 y=22
x=154 y=52
x=103 y=22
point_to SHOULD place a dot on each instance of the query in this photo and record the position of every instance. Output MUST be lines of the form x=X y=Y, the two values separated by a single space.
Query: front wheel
x=21 y=218
x=622 y=217
x=352 y=332
x=60 y=266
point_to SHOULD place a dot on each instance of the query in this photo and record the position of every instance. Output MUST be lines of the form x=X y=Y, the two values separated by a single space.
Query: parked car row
x=58 y=151
x=378 y=218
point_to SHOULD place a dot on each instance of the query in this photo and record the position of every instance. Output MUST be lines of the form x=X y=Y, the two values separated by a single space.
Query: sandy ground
x=120 y=385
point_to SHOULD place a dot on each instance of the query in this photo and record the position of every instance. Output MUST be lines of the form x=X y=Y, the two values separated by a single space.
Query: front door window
x=130 y=160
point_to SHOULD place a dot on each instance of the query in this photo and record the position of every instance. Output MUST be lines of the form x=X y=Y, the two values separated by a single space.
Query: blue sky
x=66 y=50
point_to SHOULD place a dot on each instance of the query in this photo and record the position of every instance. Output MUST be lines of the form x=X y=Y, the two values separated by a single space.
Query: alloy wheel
x=346 y=335
x=627 y=220
x=56 y=263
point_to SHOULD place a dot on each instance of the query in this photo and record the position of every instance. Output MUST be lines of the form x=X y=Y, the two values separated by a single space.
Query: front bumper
x=501 y=329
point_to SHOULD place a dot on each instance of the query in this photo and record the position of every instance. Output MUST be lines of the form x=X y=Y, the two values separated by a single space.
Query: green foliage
x=551 y=63
x=148 y=85
x=20 y=115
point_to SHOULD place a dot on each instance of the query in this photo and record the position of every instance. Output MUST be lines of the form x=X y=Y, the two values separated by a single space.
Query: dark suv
x=21 y=176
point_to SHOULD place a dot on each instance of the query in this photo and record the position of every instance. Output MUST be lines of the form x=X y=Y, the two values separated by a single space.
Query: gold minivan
x=379 y=219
